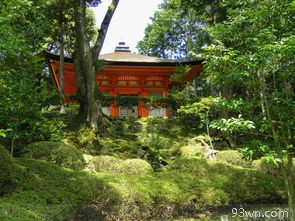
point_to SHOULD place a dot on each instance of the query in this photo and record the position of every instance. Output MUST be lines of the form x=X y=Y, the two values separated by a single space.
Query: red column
x=165 y=94
x=113 y=109
x=142 y=110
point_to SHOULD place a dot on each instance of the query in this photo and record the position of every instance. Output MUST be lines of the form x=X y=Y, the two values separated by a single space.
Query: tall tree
x=85 y=61
x=175 y=32
x=23 y=88
x=60 y=13
x=249 y=61
x=252 y=51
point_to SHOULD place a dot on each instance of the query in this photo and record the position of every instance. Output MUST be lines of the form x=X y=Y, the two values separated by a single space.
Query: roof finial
x=121 y=47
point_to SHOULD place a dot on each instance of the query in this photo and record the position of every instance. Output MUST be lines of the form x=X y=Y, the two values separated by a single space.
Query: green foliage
x=232 y=157
x=57 y=153
x=233 y=124
x=24 y=90
x=125 y=138
x=175 y=32
x=272 y=157
x=254 y=149
x=200 y=111
x=251 y=56
x=129 y=101
x=179 y=73
x=2 y=133
x=156 y=148
x=86 y=136
x=61 y=30
x=7 y=170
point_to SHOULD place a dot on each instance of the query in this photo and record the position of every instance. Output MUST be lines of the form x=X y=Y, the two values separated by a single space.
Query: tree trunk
x=84 y=69
x=85 y=63
x=104 y=28
x=61 y=70
x=226 y=92
x=61 y=54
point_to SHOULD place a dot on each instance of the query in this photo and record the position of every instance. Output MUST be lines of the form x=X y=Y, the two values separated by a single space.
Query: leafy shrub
x=198 y=111
x=254 y=149
x=57 y=153
x=233 y=124
x=231 y=156
x=115 y=165
x=7 y=168
x=156 y=148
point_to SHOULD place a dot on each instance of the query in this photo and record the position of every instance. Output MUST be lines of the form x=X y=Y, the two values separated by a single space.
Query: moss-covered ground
x=182 y=184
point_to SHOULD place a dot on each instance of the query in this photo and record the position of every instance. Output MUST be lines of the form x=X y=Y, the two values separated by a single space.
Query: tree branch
x=103 y=29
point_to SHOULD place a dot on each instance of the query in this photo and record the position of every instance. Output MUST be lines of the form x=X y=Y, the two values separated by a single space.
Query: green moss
x=128 y=189
x=57 y=153
x=135 y=166
x=110 y=164
x=193 y=150
x=48 y=192
x=191 y=183
x=232 y=157
x=187 y=186
x=105 y=164
x=266 y=167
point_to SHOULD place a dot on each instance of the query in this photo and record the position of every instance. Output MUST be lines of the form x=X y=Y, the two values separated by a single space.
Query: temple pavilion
x=127 y=73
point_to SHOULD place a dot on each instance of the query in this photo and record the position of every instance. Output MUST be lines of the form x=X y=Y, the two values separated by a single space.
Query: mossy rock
x=105 y=164
x=60 y=154
x=7 y=168
x=111 y=164
x=193 y=150
x=135 y=166
x=233 y=157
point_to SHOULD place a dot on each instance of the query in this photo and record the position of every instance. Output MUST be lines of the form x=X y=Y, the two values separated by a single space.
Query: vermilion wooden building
x=127 y=73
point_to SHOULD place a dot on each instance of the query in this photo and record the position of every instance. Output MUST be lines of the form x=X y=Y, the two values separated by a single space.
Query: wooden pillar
x=165 y=94
x=114 y=111
x=142 y=110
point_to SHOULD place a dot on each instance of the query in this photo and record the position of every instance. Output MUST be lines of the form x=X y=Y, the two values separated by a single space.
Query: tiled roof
x=130 y=57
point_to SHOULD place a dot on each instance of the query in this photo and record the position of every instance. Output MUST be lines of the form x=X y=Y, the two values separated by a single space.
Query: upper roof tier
x=130 y=57
x=123 y=53
x=123 y=56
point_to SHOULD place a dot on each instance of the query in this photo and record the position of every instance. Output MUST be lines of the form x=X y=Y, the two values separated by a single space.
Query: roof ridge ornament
x=121 y=47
